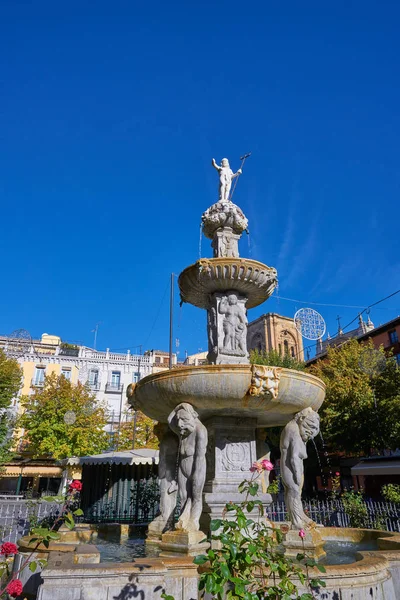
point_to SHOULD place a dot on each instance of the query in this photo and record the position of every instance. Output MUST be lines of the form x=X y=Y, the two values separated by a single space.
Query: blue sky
x=110 y=114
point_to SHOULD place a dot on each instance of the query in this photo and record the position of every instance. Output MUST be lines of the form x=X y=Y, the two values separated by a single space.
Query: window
x=38 y=378
x=157 y=359
x=397 y=357
x=292 y=351
x=135 y=377
x=286 y=346
x=280 y=349
x=93 y=377
x=393 y=338
x=115 y=378
x=66 y=373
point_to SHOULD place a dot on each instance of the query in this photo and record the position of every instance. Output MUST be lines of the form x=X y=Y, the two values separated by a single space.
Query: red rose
x=8 y=548
x=75 y=485
x=15 y=588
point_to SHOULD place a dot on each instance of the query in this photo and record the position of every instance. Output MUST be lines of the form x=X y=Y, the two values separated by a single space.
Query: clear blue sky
x=110 y=113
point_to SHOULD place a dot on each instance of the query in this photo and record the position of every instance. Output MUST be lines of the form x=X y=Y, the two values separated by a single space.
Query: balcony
x=94 y=385
x=115 y=388
x=69 y=351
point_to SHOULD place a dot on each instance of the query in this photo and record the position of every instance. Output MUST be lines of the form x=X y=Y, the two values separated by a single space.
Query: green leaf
x=215 y=524
x=300 y=556
x=321 y=568
x=306 y=596
x=33 y=540
x=46 y=543
x=78 y=512
x=41 y=531
x=200 y=560
x=33 y=566
x=53 y=535
x=250 y=505
x=225 y=570
x=209 y=584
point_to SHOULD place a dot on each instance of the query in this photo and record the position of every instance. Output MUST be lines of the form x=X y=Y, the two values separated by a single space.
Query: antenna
x=95 y=330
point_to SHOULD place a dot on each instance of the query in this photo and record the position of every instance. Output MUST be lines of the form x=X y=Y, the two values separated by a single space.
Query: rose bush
x=41 y=536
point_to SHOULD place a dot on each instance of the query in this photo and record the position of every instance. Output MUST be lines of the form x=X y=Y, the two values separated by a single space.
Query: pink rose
x=15 y=588
x=267 y=465
x=8 y=549
x=337 y=474
x=302 y=533
x=256 y=466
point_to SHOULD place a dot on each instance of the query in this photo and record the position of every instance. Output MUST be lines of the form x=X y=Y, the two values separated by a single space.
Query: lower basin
x=224 y=390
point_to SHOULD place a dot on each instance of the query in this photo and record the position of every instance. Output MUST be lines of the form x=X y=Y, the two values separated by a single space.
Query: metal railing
x=16 y=517
x=114 y=387
x=331 y=513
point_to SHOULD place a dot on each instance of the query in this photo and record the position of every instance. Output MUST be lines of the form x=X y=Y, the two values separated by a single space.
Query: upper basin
x=249 y=277
x=224 y=390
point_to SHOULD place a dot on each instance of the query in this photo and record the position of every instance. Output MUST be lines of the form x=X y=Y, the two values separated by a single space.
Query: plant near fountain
x=41 y=537
x=248 y=562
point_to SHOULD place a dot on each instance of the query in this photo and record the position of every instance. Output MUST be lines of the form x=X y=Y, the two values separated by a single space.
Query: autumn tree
x=144 y=433
x=361 y=411
x=10 y=384
x=63 y=419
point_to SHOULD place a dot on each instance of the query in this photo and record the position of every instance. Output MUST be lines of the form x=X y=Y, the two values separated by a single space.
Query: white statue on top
x=225 y=178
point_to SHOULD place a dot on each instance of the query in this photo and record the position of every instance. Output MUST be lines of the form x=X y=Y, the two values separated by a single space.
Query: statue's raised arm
x=215 y=165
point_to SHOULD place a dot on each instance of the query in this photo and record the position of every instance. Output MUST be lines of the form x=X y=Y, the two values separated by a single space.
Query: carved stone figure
x=265 y=381
x=184 y=421
x=225 y=243
x=303 y=427
x=234 y=324
x=168 y=485
x=225 y=178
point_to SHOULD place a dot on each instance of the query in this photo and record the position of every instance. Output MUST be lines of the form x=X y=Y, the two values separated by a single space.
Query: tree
x=361 y=412
x=274 y=359
x=46 y=430
x=144 y=433
x=10 y=384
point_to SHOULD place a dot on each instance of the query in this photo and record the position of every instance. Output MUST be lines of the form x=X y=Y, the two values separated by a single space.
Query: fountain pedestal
x=231 y=452
x=183 y=543
x=312 y=544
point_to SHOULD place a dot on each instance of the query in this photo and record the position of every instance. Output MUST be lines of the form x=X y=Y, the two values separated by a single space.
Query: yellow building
x=275 y=332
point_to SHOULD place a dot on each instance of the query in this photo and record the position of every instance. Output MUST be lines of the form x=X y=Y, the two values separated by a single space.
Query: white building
x=108 y=374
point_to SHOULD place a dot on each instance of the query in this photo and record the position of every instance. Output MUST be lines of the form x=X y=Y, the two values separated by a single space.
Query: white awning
x=142 y=456
x=379 y=467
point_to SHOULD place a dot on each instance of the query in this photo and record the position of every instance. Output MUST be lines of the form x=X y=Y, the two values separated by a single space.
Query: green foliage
x=361 y=413
x=10 y=384
x=355 y=508
x=391 y=492
x=44 y=425
x=274 y=359
x=144 y=435
x=273 y=487
x=249 y=563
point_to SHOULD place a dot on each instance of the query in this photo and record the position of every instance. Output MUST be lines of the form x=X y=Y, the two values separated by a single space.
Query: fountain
x=216 y=409
x=209 y=421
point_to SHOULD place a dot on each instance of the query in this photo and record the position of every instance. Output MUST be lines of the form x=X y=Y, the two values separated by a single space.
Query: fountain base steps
x=312 y=544
x=183 y=543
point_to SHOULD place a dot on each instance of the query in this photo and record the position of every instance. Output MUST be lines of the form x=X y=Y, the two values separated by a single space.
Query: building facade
x=364 y=327
x=275 y=332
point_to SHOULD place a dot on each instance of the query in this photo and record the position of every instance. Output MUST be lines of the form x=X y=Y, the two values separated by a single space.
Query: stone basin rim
x=185 y=370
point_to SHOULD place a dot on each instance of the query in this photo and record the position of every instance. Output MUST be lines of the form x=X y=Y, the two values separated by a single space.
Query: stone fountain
x=212 y=412
x=210 y=418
